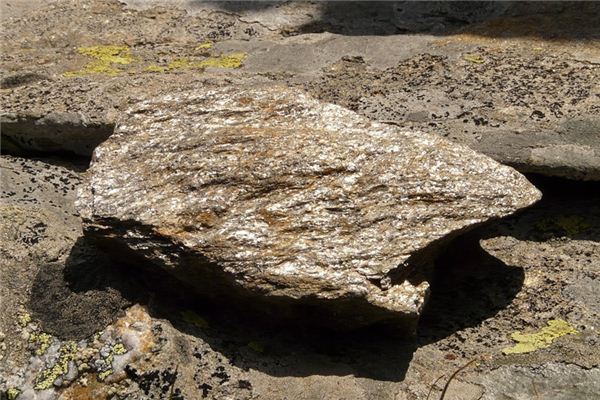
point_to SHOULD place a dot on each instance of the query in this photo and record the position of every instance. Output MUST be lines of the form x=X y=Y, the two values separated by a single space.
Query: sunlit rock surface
x=266 y=192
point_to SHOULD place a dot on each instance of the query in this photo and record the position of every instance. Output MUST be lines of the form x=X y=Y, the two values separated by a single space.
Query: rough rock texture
x=505 y=78
x=513 y=275
x=44 y=110
x=288 y=196
x=37 y=222
x=536 y=112
x=539 y=265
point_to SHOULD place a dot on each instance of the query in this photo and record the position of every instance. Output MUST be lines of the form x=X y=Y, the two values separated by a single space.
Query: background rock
x=37 y=227
x=535 y=112
x=521 y=90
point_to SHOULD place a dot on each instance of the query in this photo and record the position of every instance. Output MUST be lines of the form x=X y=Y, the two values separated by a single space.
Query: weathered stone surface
x=518 y=97
x=496 y=84
x=552 y=380
x=52 y=133
x=540 y=265
x=534 y=111
x=269 y=191
x=36 y=228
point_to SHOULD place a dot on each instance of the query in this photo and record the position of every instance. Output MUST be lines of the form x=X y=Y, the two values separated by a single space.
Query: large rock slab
x=541 y=264
x=266 y=191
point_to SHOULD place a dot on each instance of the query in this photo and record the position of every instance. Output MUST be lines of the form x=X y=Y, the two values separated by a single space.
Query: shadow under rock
x=81 y=296
x=549 y=20
x=76 y=299
x=469 y=286
x=90 y=291
x=569 y=209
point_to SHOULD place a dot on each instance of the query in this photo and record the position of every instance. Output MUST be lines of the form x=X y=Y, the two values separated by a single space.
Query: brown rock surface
x=270 y=191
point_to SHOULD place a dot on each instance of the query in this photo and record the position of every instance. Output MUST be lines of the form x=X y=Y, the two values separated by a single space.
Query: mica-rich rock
x=266 y=191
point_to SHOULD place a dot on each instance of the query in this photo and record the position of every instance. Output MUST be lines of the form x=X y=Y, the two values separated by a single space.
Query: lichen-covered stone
x=533 y=110
x=268 y=191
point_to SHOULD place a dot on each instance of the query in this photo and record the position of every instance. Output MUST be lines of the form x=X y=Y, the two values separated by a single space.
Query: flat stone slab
x=534 y=111
x=508 y=80
x=269 y=192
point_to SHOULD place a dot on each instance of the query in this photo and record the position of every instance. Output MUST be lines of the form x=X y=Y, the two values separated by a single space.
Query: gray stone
x=268 y=191
x=37 y=227
x=55 y=132
x=553 y=380
x=497 y=85
x=535 y=112
x=45 y=270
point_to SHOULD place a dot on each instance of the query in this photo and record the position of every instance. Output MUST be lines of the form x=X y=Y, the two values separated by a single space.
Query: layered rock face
x=268 y=191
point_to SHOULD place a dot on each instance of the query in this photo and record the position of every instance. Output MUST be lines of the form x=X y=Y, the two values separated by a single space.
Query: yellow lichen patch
x=108 y=54
x=119 y=349
x=183 y=63
x=104 y=374
x=24 y=319
x=233 y=60
x=230 y=61
x=12 y=393
x=115 y=350
x=112 y=60
x=42 y=341
x=528 y=342
x=204 y=46
x=67 y=353
x=106 y=58
x=154 y=68
x=474 y=58
x=194 y=319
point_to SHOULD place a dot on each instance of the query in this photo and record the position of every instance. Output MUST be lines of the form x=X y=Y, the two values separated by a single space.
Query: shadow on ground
x=469 y=286
x=75 y=300
x=91 y=291
x=549 y=20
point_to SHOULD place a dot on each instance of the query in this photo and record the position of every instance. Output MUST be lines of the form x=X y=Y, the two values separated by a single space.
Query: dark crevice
x=33 y=138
